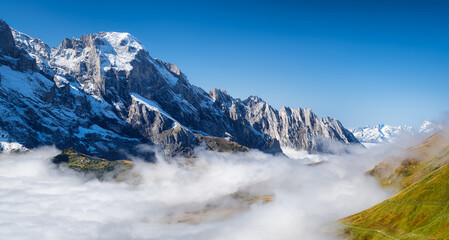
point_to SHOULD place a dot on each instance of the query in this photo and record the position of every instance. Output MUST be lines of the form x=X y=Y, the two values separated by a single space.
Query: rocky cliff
x=103 y=94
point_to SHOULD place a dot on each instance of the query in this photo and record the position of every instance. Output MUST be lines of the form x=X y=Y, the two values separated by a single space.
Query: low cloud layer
x=40 y=201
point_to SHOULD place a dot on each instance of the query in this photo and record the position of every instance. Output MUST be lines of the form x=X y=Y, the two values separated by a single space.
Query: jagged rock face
x=7 y=45
x=35 y=48
x=10 y=55
x=43 y=109
x=161 y=129
x=293 y=128
x=104 y=91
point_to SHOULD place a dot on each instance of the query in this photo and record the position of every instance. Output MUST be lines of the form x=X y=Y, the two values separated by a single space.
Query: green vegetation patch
x=102 y=169
x=421 y=160
x=420 y=210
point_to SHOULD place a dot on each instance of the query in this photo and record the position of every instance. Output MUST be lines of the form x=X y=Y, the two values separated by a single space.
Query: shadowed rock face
x=103 y=94
x=7 y=45
x=11 y=55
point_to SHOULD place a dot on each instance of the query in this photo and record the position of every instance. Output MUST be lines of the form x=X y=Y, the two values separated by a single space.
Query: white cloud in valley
x=40 y=201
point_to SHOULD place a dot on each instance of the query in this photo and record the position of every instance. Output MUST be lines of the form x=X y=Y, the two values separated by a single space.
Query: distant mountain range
x=382 y=133
x=104 y=95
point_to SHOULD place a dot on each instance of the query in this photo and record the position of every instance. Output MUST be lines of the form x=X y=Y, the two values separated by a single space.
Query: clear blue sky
x=363 y=62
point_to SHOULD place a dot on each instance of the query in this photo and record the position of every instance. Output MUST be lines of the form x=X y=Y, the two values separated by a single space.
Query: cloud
x=40 y=201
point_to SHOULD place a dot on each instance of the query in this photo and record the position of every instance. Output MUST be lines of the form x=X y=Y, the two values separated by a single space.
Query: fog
x=41 y=201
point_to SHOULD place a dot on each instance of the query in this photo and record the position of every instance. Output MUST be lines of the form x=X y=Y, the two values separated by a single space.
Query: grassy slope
x=421 y=209
x=100 y=168
x=421 y=160
x=220 y=144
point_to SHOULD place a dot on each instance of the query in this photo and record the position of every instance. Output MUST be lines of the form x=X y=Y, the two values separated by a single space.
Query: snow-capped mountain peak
x=103 y=92
x=115 y=50
x=382 y=133
x=428 y=127
x=118 y=49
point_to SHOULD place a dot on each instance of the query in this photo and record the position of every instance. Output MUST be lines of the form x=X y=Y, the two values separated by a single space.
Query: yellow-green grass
x=98 y=167
x=420 y=160
x=420 y=210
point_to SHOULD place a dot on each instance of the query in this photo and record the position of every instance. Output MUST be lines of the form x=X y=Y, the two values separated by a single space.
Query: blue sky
x=362 y=62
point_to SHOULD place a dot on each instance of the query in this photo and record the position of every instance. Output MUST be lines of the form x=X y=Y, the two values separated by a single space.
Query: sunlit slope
x=421 y=209
x=98 y=167
x=421 y=160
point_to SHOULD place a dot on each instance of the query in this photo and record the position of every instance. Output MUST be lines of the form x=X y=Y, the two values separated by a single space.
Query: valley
x=223 y=120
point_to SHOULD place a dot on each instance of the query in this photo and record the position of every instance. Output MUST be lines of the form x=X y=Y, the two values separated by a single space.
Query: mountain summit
x=382 y=133
x=103 y=94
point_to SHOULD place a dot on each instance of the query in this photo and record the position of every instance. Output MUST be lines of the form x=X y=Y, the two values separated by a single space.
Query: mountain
x=419 y=210
x=382 y=133
x=293 y=128
x=429 y=127
x=104 y=95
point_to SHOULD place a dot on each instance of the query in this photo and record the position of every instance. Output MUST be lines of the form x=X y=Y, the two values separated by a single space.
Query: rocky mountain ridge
x=293 y=128
x=104 y=95
x=383 y=133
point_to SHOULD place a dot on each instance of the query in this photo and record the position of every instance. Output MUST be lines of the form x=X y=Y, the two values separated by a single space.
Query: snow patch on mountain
x=102 y=92
x=171 y=79
x=152 y=105
x=118 y=50
x=33 y=45
x=97 y=130
x=9 y=144
x=28 y=85
x=37 y=49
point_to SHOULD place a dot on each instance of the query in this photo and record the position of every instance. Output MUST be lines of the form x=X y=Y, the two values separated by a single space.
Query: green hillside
x=421 y=209
x=420 y=160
